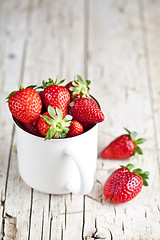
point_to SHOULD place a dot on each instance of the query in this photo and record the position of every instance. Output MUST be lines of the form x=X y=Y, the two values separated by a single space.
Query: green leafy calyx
x=51 y=82
x=59 y=126
x=80 y=87
x=138 y=171
x=133 y=136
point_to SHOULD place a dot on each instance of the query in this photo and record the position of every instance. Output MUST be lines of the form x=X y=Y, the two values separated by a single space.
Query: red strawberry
x=85 y=110
x=25 y=104
x=87 y=126
x=123 y=147
x=56 y=96
x=30 y=128
x=76 y=128
x=44 y=109
x=51 y=124
x=123 y=185
x=42 y=124
x=78 y=88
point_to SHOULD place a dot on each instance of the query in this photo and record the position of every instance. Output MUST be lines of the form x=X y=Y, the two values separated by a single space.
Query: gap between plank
x=50 y=227
x=61 y=232
x=42 y=224
x=28 y=22
x=6 y=183
x=83 y=223
x=86 y=37
x=49 y=205
x=30 y=215
x=65 y=213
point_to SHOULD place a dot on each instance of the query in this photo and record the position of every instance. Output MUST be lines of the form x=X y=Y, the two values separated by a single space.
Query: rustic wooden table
x=116 y=44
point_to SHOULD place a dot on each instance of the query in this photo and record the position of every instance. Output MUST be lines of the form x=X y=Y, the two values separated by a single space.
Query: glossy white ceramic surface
x=58 y=166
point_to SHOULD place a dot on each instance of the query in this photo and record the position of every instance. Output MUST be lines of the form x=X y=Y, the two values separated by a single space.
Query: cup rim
x=52 y=139
x=16 y=122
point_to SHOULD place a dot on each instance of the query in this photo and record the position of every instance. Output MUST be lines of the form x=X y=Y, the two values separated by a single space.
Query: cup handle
x=86 y=175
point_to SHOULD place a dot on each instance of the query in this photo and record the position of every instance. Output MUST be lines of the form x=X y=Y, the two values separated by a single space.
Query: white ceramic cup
x=58 y=166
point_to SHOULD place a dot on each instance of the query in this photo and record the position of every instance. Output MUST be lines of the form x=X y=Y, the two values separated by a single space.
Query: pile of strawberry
x=55 y=111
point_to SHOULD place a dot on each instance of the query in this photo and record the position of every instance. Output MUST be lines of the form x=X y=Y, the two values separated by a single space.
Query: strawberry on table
x=123 y=147
x=78 y=88
x=123 y=184
x=25 y=104
x=75 y=129
x=85 y=110
x=55 y=96
x=52 y=124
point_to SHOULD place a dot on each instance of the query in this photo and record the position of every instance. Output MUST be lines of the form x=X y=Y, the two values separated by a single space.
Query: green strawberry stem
x=80 y=87
x=59 y=126
x=50 y=82
x=133 y=136
x=138 y=171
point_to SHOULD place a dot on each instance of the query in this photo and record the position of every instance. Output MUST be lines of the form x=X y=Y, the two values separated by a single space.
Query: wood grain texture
x=116 y=45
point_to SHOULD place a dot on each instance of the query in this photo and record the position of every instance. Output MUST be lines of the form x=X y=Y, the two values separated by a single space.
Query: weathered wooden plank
x=118 y=66
x=11 y=56
x=150 y=20
x=18 y=200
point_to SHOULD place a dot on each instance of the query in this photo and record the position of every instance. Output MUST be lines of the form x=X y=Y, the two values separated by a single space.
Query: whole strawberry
x=85 y=110
x=123 y=147
x=75 y=129
x=52 y=124
x=25 y=104
x=78 y=88
x=56 y=96
x=123 y=184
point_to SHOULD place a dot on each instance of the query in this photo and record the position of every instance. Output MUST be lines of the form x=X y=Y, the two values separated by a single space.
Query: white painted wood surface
x=116 y=45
